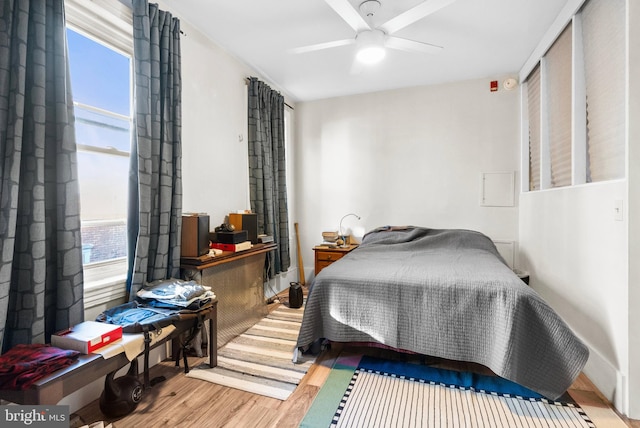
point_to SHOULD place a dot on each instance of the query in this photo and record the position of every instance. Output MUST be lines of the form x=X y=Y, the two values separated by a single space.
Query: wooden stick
x=300 y=264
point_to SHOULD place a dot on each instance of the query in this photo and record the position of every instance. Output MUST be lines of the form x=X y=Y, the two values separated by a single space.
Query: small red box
x=241 y=246
x=87 y=336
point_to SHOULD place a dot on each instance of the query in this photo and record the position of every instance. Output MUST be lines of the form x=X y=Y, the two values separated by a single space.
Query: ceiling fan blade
x=320 y=46
x=411 y=45
x=414 y=14
x=349 y=14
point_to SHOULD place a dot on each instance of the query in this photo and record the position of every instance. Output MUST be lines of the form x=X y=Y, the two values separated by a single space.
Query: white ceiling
x=481 y=39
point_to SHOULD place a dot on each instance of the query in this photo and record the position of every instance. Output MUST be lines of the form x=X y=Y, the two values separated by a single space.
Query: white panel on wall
x=506 y=250
x=497 y=189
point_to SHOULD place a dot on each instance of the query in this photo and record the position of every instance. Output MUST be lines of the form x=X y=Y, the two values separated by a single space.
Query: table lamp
x=342 y=235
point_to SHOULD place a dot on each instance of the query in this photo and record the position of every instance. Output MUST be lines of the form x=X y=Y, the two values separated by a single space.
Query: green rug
x=368 y=392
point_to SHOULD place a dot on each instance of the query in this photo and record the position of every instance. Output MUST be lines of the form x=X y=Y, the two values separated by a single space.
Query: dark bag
x=295 y=295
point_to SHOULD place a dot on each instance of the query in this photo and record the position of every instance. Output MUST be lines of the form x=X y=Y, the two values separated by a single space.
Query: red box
x=246 y=245
x=87 y=336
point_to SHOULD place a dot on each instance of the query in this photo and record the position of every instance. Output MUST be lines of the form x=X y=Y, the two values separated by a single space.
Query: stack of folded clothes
x=159 y=304
x=176 y=293
x=23 y=365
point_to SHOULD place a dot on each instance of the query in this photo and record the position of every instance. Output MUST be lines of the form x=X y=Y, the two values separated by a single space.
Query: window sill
x=105 y=283
x=576 y=186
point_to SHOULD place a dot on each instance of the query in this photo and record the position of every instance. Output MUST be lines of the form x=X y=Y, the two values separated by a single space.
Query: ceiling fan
x=372 y=41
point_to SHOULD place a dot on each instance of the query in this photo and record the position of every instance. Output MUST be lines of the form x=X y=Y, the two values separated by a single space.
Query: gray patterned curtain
x=41 y=282
x=155 y=183
x=267 y=168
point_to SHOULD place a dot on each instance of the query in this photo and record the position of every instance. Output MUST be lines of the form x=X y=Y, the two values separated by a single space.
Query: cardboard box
x=87 y=336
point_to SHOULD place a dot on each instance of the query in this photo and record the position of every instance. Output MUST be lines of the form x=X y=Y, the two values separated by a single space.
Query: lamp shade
x=370 y=45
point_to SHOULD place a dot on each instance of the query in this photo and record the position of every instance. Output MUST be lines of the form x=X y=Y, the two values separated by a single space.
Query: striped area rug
x=370 y=397
x=260 y=360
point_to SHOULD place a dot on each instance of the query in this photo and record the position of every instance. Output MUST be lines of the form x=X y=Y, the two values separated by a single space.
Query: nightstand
x=324 y=255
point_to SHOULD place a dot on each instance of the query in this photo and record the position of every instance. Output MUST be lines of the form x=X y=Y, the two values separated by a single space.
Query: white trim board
x=507 y=250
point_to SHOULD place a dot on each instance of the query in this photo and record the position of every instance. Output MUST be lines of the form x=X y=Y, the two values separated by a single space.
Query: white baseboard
x=608 y=379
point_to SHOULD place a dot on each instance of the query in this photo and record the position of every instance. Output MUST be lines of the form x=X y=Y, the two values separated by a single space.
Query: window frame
x=570 y=15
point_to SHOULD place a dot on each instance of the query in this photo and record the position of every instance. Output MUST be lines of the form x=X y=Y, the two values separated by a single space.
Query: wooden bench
x=88 y=368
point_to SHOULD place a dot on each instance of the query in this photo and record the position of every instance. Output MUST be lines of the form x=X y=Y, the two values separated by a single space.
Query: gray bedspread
x=444 y=293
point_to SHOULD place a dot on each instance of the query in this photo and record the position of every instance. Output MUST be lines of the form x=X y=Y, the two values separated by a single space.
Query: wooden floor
x=185 y=402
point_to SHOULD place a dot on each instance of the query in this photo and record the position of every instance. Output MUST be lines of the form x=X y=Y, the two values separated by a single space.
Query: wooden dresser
x=324 y=255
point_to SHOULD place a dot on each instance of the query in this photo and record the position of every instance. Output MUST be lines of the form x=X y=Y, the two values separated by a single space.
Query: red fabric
x=23 y=365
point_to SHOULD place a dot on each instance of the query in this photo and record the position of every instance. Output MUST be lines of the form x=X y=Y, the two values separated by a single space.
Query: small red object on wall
x=494 y=86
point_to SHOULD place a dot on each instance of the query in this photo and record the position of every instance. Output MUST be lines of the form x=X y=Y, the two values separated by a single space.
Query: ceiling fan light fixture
x=371 y=49
x=371 y=54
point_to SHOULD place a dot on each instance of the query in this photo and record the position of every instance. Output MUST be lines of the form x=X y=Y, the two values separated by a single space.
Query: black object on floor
x=122 y=395
x=295 y=295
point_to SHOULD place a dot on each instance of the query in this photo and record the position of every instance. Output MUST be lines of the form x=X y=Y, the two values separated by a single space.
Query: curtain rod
x=248 y=79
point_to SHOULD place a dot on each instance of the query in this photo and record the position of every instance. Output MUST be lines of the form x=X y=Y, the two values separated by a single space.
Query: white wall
x=214 y=119
x=576 y=253
x=583 y=261
x=215 y=175
x=410 y=156
x=633 y=212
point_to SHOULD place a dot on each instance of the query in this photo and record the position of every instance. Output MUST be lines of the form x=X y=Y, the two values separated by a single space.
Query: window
x=100 y=80
x=575 y=101
x=603 y=31
x=558 y=100
x=533 y=104
x=100 y=61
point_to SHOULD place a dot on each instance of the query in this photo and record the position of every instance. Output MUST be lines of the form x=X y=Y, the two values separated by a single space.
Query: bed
x=445 y=293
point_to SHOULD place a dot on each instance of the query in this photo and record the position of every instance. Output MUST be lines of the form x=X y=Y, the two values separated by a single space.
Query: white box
x=87 y=337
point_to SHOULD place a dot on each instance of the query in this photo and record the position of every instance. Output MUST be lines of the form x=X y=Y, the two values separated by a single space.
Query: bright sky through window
x=101 y=87
x=100 y=75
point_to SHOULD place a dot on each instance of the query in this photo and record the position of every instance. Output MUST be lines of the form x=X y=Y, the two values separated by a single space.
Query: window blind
x=558 y=101
x=533 y=104
x=108 y=21
x=603 y=31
